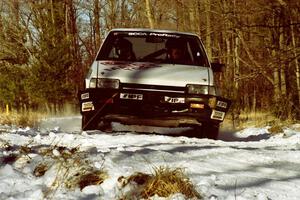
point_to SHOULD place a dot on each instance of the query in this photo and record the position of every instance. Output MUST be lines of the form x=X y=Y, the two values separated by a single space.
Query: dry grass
x=168 y=181
x=73 y=169
x=40 y=169
x=30 y=119
x=253 y=119
x=163 y=183
x=275 y=129
x=95 y=177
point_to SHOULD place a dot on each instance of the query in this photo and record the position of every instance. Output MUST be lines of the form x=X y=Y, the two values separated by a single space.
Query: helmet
x=121 y=43
x=123 y=49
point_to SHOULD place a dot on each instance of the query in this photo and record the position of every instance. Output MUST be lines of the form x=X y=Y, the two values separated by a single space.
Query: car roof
x=152 y=30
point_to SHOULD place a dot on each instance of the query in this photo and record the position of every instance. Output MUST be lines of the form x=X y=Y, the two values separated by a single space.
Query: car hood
x=152 y=73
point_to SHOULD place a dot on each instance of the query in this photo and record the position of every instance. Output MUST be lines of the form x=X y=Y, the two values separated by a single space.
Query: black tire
x=207 y=130
x=210 y=131
x=88 y=123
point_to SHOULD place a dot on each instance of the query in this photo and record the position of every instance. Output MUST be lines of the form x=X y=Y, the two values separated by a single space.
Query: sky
x=250 y=164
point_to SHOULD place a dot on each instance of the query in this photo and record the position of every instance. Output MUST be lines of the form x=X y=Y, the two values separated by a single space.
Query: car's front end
x=149 y=91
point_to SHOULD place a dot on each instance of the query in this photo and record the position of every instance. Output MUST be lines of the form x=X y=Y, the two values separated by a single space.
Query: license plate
x=174 y=99
x=222 y=104
x=218 y=115
x=131 y=96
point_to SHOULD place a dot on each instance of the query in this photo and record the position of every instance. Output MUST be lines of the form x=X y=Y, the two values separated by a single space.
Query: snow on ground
x=249 y=164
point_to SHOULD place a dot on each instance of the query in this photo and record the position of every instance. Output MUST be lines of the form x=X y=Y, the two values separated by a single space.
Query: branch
x=269 y=26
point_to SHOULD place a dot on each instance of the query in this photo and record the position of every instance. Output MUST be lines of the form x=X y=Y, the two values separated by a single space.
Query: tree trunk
x=236 y=61
x=16 y=10
x=77 y=70
x=254 y=100
x=149 y=14
x=193 y=17
x=297 y=66
x=276 y=79
x=124 y=15
x=111 y=22
x=208 y=29
x=97 y=24
x=282 y=65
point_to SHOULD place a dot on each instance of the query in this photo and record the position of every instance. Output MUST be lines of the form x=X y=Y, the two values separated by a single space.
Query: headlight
x=104 y=83
x=201 y=89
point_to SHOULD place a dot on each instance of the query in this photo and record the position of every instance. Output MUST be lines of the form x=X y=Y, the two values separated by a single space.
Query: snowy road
x=250 y=164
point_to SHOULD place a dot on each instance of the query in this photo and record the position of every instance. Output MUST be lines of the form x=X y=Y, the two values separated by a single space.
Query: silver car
x=155 y=78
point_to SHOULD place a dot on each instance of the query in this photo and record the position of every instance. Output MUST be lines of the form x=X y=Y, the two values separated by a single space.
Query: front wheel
x=91 y=122
x=88 y=122
x=207 y=130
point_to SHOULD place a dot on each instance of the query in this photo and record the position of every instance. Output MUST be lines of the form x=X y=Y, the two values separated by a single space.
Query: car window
x=145 y=47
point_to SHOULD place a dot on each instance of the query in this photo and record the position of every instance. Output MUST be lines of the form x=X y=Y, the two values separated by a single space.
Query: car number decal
x=131 y=96
x=85 y=96
x=174 y=99
x=222 y=104
x=87 y=106
x=218 y=115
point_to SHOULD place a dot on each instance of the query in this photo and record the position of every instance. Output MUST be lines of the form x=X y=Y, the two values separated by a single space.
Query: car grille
x=155 y=88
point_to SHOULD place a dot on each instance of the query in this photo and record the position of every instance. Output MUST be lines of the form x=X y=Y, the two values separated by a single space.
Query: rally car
x=154 y=78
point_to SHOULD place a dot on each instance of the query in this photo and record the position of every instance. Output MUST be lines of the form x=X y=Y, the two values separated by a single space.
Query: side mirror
x=217 y=67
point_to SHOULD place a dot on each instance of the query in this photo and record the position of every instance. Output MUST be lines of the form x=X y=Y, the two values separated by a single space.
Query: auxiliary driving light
x=197 y=105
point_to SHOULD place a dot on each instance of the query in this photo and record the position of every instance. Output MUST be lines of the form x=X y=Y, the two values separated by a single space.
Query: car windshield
x=153 y=47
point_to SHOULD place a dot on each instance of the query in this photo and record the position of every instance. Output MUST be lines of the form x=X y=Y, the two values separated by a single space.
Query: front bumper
x=157 y=108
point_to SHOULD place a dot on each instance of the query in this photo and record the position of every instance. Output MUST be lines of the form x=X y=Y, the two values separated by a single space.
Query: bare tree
x=149 y=14
x=97 y=23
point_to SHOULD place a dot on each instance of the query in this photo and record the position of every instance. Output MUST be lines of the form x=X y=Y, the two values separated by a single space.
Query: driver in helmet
x=176 y=51
x=124 y=50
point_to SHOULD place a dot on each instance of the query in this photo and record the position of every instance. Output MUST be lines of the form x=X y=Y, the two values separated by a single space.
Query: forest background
x=47 y=46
